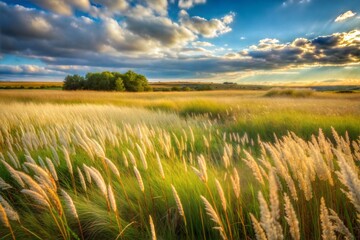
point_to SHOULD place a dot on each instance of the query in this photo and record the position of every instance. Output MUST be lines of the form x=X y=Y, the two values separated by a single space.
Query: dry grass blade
x=259 y=231
x=291 y=218
x=214 y=217
x=326 y=225
x=139 y=179
x=70 y=204
x=152 y=228
x=178 y=203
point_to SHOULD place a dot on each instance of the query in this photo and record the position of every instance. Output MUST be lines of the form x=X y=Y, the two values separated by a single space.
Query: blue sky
x=245 y=41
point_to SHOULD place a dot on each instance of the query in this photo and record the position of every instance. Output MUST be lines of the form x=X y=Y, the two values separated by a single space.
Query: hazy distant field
x=179 y=165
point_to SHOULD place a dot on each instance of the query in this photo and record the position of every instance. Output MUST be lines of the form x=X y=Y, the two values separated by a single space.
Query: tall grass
x=99 y=171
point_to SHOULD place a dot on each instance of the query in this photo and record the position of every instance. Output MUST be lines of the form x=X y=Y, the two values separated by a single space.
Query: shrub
x=289 y=92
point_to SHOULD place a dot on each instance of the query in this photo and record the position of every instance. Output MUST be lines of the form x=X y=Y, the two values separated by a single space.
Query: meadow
x=179 y=165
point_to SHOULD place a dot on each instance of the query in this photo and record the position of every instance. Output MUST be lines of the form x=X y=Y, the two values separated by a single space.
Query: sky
x=242 y=41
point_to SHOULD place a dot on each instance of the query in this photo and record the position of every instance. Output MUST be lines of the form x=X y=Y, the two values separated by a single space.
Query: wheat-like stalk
x=142 y=156
x=111 y=197
x=339 y=225
x=82 y=179
x=235 y=182
x=69 y=204
x=38 y=198
x=67 y=160
x=99 y=180
x=152 y=228
x=214 y=217
x=52 y=168
x=178 y=203
x=14 y=174
x=291 y=218
x=4 y=185
x=3 y=217
x=161 y=170
x=259 y=231
x=139 y=179
x=326 y=225
x=221 y=194
x=112 y=167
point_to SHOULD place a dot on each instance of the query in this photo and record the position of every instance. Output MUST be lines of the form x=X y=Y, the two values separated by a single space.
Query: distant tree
x=119 y=85
x=134 y=82
x=73 y=82
x=108 y=81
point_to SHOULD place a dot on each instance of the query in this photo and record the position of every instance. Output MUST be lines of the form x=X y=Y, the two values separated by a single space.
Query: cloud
x=202 y=44
x=28 y=70
x=190 y=3
x=207 y=28
x=289 y=2
x=64 y=7
x=335 y=49
x=345 y=16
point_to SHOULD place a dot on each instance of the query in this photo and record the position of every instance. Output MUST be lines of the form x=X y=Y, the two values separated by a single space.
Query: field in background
x=179 y=165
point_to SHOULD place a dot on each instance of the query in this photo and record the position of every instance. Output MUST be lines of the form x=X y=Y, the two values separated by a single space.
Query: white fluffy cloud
x=207 y=28
x=345 y=16
x=190 y=3
x=64 y=7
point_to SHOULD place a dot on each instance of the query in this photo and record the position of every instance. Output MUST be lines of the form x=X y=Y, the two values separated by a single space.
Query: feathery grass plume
x=291 y=218
x=111 y=197
x=10 y=212
x=259 y=231
x=161 y=170
x=252 y=164
x=226 y=159
x=221 y=194
x=152 y=228
x=203 y=168
x=29 y=159
x=99 y=180
x=339 y=225
x=274 y=198
x=326 y=225
x=43 y=174
x=38 y=198
x=87 y=173
x=348 y=176
x=32 y=184
x=139 y=179
x=55 y=155
x=52 y=168
x=4 y=185
x=266 y=220
x=142 y=156
x=14 y=174
x=3 y=217
x=235 y=182
x=69 y=204
x=126 y=163
x=132 y=158
x=82 y=179
x=67 y=160
x=178 y=203
x=210 y=211
x=13 y=158
x=112 y=167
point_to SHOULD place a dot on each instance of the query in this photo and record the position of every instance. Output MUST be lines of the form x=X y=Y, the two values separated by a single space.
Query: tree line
x=108 y=81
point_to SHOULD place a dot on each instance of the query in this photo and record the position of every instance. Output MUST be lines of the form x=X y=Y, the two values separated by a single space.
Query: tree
x=108 y=81
x=73 y=82
x=134 y=82
x=119 y=85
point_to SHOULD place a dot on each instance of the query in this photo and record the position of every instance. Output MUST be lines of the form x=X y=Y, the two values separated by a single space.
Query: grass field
x=179 y=165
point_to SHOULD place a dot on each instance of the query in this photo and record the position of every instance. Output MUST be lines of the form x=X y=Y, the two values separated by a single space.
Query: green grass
x=179 y=127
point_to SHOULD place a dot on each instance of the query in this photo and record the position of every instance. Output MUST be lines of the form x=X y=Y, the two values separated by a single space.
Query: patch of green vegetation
x=289 y=92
